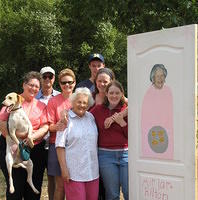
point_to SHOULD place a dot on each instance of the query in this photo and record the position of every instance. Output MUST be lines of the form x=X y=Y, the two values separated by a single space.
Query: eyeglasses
x=32 y=85
x=50 y=76
x=66 y=82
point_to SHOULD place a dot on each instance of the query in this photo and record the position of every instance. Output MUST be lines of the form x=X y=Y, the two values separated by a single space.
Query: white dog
x=17 y=121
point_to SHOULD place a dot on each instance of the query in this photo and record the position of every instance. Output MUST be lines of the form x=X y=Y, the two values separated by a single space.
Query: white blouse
x=80 y=142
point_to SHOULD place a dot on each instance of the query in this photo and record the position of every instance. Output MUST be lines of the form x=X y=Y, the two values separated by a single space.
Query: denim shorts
x=53 y=164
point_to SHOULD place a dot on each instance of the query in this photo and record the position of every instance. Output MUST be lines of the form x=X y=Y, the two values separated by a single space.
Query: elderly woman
x=158 y=75
x=36 y=112
x=157 y=116
x=56 y=105
x=76 y=148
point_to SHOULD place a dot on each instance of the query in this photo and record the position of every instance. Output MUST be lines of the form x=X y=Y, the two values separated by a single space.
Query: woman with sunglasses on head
x=103 y=77
x=37 y=114
x=113 y=142
x=58 y=122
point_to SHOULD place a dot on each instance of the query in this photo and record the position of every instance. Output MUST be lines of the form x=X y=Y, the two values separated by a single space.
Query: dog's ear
x=20 y=99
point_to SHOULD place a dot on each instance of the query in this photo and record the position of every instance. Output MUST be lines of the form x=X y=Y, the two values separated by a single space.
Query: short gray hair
x=155 y=68
x=85 y=91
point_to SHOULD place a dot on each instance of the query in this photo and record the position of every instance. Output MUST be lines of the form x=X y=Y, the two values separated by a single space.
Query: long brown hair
x=118 y=85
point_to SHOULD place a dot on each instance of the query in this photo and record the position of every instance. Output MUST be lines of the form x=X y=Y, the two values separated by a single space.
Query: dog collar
x=7 y=109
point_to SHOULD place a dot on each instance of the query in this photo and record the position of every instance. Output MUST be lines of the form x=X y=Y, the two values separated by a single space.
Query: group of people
x=80 y=135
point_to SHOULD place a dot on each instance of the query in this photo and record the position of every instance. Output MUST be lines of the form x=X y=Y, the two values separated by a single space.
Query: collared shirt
x=45 y=99
x=80 y=142
x=36 y=112
x=54 y=108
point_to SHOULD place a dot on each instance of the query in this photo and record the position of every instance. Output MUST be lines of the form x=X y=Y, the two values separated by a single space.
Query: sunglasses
x=50 y=76
x=66 y=82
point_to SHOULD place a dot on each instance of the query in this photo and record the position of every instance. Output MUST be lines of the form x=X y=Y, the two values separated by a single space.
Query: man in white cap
x=45 y=93
x=47 y=81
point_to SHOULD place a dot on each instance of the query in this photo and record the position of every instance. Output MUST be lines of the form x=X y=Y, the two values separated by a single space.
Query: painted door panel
x=162 y=119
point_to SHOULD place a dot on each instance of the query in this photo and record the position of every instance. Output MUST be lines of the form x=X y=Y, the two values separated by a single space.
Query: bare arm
x=61 y=124
x=124 y=113
x=3 y=128
x=62 y=161
x=40 y=133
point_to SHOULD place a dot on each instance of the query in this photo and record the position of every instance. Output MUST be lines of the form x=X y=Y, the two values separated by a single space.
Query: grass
x=44 y=195
x=2 y=186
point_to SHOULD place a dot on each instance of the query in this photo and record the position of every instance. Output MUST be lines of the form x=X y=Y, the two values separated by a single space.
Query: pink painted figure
x=157 y=117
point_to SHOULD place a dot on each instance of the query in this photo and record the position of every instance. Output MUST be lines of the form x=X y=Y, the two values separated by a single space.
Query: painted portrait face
x=159 y=78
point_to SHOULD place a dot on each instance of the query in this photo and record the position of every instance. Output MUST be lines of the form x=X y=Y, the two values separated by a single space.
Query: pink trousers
x=82 y=190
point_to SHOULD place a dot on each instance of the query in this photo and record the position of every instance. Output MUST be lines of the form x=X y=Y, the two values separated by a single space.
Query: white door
x=162 y=80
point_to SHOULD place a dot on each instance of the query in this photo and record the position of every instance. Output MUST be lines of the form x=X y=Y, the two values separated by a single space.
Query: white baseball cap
x=47 y=69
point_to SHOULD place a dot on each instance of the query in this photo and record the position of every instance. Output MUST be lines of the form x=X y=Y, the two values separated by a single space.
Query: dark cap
x=96 y=56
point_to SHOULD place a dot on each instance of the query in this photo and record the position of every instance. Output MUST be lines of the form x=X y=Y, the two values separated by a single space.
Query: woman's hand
x=60 y=126
x=29 y=141
x=65 y=175
x=64 y=117
x=118 y=118
x=62 y=123
x=108 y=121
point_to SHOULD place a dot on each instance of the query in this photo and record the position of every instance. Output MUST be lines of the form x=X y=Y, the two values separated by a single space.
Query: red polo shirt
x=36 y=112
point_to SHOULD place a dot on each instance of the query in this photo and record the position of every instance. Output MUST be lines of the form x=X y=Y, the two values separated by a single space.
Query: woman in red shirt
x=55 y=108
x=36 y=112
x=113 y=142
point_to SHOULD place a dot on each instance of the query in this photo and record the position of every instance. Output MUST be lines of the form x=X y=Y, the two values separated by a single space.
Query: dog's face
x=12 y=100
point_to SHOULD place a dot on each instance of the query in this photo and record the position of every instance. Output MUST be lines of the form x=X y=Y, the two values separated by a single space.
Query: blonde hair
x=66 y=72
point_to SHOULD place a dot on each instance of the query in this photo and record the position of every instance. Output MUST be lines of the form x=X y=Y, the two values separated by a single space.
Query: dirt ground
x=44 y=195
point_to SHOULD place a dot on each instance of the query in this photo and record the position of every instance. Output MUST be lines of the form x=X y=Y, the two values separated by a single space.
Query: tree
x=103 y=26
x=30 y=39
x=62 y=33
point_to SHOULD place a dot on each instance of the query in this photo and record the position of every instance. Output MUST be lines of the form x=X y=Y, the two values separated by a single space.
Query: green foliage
x=62 y=33
x=30 y=39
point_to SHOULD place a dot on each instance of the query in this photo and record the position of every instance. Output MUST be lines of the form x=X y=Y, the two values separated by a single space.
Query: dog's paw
x=36 y=191
x=11 y=189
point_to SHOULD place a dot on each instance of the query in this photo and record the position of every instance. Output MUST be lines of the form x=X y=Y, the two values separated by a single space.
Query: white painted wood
x=157 y=176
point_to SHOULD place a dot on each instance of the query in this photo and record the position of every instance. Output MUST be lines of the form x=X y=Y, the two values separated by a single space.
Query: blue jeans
x=114 y=172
